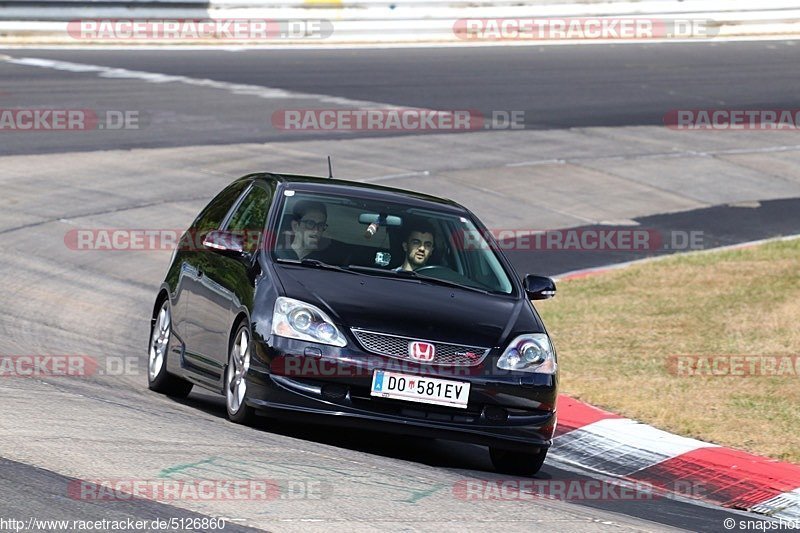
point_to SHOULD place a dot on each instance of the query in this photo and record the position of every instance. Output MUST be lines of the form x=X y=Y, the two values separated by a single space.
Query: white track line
x=791 y=39
x=259 y=91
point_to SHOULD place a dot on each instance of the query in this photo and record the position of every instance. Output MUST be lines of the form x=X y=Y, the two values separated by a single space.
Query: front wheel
x=236 y=379
x=158 y=379
x=517 y=463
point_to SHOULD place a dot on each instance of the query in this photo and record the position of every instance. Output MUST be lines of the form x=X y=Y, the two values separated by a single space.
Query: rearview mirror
x=373 y=218
x=225 y=242
x=539 y=287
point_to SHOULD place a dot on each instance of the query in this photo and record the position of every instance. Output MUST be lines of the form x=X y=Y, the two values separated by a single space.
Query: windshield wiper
x=375 y=270
x=315 y=263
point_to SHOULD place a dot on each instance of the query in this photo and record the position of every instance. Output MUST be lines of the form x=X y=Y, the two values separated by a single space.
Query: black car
x=357 y=305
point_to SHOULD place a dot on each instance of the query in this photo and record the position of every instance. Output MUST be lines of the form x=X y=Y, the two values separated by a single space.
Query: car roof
x=366 y=190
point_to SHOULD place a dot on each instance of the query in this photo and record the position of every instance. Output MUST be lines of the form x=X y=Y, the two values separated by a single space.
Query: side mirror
x=225 y=242
x=539 y=287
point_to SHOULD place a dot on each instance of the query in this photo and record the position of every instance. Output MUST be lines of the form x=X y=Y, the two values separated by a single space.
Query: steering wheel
x=430 y=267
x=448 y=274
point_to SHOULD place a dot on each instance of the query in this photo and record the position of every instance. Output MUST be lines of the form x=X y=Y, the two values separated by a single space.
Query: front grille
x=395 y=346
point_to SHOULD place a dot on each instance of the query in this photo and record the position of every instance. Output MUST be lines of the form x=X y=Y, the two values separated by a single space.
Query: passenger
x=417 y=246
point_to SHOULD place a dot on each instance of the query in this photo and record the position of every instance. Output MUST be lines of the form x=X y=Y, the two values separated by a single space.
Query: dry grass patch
x=616 y=332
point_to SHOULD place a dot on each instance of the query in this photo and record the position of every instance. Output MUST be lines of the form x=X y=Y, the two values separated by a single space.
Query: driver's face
x=309 y=229
x=418 y=248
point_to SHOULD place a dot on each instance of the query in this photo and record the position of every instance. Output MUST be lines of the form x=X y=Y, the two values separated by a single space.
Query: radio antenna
x=330 y=168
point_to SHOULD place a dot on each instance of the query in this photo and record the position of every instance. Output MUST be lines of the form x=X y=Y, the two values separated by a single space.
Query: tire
x=236 y=377
x=158 y=379
x=517 y=463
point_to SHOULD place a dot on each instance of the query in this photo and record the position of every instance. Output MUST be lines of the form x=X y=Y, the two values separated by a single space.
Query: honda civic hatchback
x=357 y=305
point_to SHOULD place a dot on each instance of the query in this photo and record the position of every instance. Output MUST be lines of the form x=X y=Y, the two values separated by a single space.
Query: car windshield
x=389 y=239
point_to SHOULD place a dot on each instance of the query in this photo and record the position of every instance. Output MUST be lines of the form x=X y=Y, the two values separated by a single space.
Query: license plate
x=420 y=389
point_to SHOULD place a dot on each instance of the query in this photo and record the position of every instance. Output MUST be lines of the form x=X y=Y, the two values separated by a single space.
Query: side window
x=211 y=217
x=250 y=216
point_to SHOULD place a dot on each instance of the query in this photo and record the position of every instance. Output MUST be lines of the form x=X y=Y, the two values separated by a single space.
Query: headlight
x=529 y=353
x=299 y=320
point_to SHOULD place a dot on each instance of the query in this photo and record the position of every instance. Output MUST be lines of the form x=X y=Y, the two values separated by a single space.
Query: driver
x=417 y=246
x=309 y=222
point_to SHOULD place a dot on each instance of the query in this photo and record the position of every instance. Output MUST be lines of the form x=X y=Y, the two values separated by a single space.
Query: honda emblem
x=421 y=351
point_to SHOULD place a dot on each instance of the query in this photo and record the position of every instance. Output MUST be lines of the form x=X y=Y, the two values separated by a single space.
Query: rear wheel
x=158 y=379
x=236 y=377
x=517 y=463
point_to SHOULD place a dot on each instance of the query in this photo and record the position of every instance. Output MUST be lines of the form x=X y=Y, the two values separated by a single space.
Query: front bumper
x=508 y=410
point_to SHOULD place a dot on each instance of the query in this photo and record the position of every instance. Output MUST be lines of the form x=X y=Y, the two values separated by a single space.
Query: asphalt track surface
x=555 y=86
x=559 y=87
x=713 y=227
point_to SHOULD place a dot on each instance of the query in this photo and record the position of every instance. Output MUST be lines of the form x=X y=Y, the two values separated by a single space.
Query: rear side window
x=212 y=216
x=250 y=216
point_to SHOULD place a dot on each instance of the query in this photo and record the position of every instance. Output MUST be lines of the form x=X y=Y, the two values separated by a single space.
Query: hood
x=409 y=308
